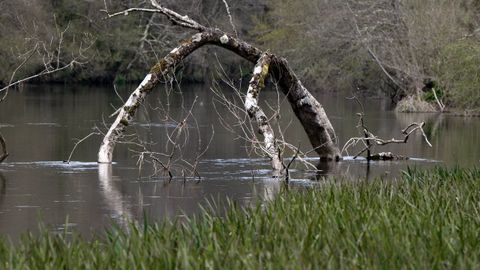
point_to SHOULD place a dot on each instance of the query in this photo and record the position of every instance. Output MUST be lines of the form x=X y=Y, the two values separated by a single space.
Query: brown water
x=41 y=124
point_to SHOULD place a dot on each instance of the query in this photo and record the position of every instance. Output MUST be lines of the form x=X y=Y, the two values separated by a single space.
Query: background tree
x=400 y=48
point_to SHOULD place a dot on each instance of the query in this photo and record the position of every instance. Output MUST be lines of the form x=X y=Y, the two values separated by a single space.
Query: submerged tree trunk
x=307 y=109
x=256 y=84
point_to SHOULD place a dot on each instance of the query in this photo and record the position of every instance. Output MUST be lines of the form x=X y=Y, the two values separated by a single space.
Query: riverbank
x=423 y=220
x=416 y=104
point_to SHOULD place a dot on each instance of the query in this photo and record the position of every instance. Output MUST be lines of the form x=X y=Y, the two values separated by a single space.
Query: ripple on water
x=156 y=125
x=27 y=206
x=44 y=124
x=234 y=161
x=67 y=167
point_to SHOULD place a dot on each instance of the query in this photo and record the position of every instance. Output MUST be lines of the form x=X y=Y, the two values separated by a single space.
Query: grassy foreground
x=424 y=220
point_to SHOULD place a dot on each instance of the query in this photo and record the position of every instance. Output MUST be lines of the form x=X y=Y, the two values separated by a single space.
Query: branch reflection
x=3 y=187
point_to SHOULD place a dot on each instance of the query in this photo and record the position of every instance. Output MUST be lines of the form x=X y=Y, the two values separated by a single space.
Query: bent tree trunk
x=307 y=109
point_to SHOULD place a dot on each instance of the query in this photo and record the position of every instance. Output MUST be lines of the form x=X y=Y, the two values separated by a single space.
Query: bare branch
x=230 y=17
x=307 y=109
x=439 y=102
x=51 y=57
x=369 y=49
x=42 y=73
x=78 y=143
x=10 y=83
x=173 y=16
x=177 y=18
x=370 y=140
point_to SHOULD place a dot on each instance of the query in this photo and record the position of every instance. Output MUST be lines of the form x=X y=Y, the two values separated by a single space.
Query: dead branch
x=370 y=140
x=306 y=107
x=79 y=142
x=173 y=159
x=230 y=17
x=243 y=129
x=11 y=83
x=173 y=16
x=51 y=57
x=52 y=63
x=440 y=103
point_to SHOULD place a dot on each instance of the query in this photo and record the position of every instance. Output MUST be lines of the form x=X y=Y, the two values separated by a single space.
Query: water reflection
x=41 y=123
x=325 y=169
x=113 y=197
x=3 y=187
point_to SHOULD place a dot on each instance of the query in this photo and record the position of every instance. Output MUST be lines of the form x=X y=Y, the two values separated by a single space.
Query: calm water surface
x=42 y=123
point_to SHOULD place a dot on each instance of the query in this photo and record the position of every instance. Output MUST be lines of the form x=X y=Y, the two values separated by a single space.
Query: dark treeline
x=124 y=48
x=421 y=53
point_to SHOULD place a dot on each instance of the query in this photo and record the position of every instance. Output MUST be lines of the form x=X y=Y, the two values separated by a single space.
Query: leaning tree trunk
x=307 y=109
x=256 y=84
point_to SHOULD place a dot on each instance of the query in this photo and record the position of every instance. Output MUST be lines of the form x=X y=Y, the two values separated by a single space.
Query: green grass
x=424 y=220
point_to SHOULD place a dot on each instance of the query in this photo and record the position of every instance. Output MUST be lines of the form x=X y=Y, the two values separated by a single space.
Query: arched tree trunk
x=307 y=109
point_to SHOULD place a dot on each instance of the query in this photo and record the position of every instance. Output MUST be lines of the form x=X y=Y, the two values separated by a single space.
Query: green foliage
x=459 y=70
x=424 y=220
x=430 y=92
x=120 y=80
x=309 y=34
x=322 y=42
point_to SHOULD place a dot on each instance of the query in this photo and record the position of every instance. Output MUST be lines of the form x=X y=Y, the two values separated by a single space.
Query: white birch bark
x=125 y=116
x=256 y=84
x=307 y=109
x=128 y=110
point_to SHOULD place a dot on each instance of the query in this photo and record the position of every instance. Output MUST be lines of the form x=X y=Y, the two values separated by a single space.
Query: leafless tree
x=259 y=128
x=182 y=151
x=369 y=140
x=53 y=61
x=405 y=38
x=307 y=109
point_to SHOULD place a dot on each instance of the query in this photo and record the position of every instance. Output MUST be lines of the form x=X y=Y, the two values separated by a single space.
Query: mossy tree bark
x=257 y=83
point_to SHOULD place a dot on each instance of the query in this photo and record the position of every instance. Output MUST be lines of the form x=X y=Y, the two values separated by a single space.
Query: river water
x=42 y=123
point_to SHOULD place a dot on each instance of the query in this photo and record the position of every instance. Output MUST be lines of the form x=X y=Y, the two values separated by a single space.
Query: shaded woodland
x=422 y=54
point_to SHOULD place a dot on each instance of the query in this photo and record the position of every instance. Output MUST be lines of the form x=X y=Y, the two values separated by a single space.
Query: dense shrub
x=459 y=71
